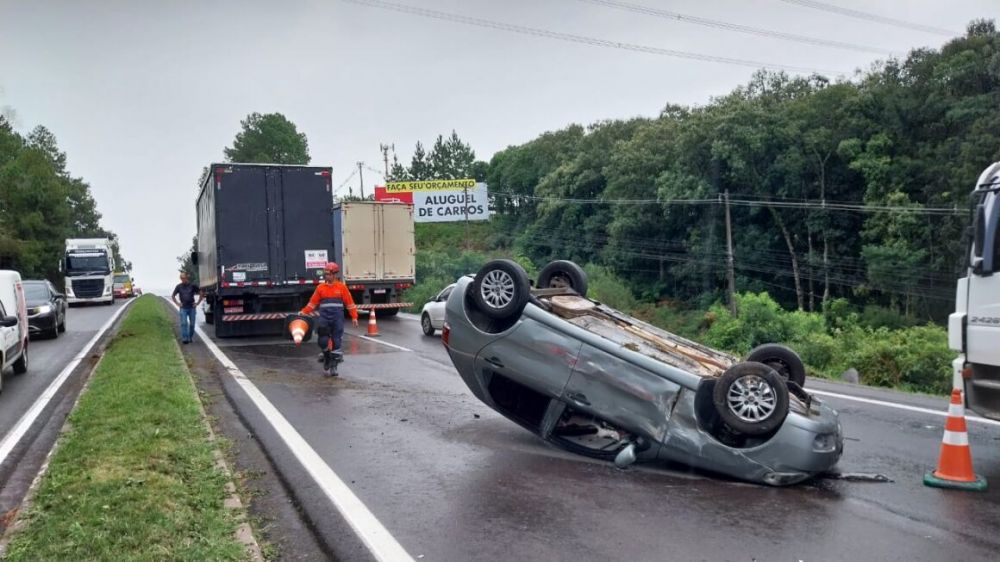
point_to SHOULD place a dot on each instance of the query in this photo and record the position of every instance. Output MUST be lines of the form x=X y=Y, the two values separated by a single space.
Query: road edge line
x=898 y=406
x=376 y=538
x=13 y=437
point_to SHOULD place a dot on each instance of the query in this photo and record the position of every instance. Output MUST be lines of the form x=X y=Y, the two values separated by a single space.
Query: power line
x=582 y=39
x=824 y=205
x=870 y=17
x=707 y=22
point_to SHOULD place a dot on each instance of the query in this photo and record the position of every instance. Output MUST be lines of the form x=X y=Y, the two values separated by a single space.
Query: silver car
x=594 y=381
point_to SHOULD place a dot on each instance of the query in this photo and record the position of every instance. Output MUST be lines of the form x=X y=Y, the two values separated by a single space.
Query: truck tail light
x=357 y=287
x=445 y=334
x=403 y=285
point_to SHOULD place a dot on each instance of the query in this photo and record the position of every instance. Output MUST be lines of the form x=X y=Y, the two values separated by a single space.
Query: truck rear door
x=243 y=224
x=396 y=251
x=360 y=240
x=304 y=221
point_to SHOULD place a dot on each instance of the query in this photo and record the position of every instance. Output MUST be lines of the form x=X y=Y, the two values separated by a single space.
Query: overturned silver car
x=594 y=381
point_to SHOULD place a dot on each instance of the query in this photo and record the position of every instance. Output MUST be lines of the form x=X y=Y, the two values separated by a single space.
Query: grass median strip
x=134 y=477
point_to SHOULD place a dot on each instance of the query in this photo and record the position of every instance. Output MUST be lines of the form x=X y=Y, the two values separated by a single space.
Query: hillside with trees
x=42 y=204
x=849 y=205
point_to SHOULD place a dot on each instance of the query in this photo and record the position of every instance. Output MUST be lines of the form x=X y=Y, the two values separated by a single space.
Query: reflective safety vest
x=330 y=299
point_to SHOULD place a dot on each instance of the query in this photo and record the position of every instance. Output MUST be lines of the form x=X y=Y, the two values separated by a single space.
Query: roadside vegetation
x=848 y=203
x=41 y=205
x=134 y=476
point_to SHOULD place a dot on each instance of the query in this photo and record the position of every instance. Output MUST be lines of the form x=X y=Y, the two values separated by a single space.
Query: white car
x=13 y=323
x=432 y=315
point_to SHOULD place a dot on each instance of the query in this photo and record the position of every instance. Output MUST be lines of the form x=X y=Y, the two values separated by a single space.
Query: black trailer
x=263 y=238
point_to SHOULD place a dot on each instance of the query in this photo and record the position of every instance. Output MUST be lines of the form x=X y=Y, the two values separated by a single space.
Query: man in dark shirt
x=188 y=307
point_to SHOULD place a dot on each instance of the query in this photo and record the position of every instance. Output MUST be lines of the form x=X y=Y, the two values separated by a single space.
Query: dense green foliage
x=41 y=205
x=835 y=340
x=848 y=200
x=268 y=138
x=901 y=145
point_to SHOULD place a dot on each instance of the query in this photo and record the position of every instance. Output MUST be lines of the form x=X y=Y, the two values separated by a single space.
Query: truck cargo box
x=263 y=238
x=374 y=241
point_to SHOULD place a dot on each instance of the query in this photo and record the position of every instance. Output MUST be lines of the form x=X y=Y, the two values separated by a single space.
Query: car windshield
x=36 y=292
x=121 y=279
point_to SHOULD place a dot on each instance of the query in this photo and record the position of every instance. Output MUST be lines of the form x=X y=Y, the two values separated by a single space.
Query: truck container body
x=374 y=245
x=974 y=327
x=88 y=265
x=263 y=239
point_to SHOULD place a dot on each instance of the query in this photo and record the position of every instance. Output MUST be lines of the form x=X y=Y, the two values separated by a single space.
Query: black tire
x=501 y=289
x=21 y=365
x=563 y=273
x=786 y=362
x=62 y=325
x=425 y=324
x=760 y=390
x=387 y=313
x=54 y=332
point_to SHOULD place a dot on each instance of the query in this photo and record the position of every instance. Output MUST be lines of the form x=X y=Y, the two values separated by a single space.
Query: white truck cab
x=974 y=327
x=13 y=324
x=89 y=266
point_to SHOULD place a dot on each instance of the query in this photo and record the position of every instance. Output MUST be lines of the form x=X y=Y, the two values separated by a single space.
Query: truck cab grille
x=88 y=288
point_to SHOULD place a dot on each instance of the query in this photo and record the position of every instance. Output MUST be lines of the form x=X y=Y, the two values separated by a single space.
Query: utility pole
x=465 y=204
x=361 y=178
x=385 y=156
x=730 y=273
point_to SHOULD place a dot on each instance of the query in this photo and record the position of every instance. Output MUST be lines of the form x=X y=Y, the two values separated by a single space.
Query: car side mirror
x=9 y=321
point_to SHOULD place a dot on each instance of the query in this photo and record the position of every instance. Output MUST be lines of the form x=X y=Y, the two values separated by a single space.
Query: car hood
x=36 y=303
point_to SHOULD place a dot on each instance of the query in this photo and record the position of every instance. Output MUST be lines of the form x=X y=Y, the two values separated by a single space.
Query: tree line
x=42 y=204
x=856 y=189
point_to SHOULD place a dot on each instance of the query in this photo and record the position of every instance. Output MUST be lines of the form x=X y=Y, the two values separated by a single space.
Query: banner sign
x=440 y=200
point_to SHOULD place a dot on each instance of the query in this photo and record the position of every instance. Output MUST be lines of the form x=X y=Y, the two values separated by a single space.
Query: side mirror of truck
x=194 y=258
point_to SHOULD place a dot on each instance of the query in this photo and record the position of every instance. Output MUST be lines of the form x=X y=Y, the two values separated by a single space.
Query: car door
x=622 y=393
x=8 y=338
x=436 y=310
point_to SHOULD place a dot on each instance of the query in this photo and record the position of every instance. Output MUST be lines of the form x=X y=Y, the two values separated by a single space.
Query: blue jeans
x=188 y=319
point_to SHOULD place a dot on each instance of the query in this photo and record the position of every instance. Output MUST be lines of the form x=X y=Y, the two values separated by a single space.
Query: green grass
x=134 y=476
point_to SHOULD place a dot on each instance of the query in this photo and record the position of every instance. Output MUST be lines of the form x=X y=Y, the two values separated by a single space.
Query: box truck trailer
x=265 y=231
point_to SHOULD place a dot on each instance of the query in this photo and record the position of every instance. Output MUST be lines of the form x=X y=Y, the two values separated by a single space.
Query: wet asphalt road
x=46 y=358
x=452 y=480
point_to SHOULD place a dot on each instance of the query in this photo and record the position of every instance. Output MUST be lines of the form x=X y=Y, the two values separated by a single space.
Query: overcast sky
x=142 y=95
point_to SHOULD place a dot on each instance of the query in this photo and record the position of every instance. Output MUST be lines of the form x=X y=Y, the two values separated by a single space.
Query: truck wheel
x=786 y=362
x=751 y=398
x=501 y=289
x=563 y=273
x=388 y=312
x=21 y=365
x=209 y=314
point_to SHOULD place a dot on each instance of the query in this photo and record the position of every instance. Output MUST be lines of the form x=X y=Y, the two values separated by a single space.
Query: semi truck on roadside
x=974 y=327
x=88 y=265
x=265 y=231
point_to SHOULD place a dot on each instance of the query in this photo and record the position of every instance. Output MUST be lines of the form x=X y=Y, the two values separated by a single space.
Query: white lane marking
x=15 y=435
x=378 y=540
x=399 y=347
x=942 y=413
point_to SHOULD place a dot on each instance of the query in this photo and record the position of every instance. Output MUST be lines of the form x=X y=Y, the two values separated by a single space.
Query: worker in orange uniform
x=331 y=297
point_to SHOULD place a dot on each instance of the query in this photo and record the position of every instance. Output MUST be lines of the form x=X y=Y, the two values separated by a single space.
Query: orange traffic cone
x=298 y=328
x=372 y=325
x=955 y=466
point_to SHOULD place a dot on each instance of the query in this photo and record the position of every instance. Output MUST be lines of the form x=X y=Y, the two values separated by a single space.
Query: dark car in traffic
x=46 y=308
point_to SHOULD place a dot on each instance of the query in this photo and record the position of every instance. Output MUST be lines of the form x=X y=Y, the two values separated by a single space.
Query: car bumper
x=77 y=300
x=41 y=323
